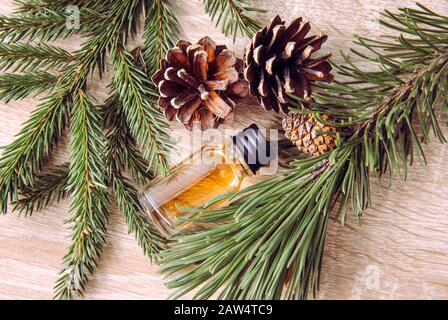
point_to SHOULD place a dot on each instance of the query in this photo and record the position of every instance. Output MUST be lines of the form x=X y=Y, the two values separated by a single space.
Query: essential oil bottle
x=212 y=171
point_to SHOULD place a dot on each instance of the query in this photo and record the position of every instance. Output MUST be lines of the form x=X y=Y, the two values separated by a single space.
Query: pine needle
x=270 y=240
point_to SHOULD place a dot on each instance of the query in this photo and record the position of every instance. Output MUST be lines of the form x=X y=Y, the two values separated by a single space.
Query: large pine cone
x=199 y=82
x=278 y=61
x=308 y=134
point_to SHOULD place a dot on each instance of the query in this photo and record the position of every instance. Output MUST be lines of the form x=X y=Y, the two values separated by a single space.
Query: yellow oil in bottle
x=224 y=178
x=192 y=184
x=208 y=173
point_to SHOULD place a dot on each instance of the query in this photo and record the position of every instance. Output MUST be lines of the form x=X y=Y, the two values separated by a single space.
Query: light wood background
x=399 y=251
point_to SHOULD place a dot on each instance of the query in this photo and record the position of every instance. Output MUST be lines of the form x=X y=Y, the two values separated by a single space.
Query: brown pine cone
x=199 y=82
x=278 y=61
x=308 y=134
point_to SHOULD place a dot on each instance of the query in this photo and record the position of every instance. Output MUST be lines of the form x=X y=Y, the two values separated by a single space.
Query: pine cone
x=278 y=61
x=308 y=134
x=199 y=83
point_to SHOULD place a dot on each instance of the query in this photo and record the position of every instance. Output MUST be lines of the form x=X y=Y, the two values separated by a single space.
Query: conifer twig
x=121 y=153
x=161 y=31
x=23 y=57
x=93 y=166
x=81 y=259
x=88 y=197
x=23 y=158
x=234 y=16
x=18 y=86
x=121 y=149
x=137 y=219
x=270 y=240
x=50 y=188
x=144 y=119
x=48 y=26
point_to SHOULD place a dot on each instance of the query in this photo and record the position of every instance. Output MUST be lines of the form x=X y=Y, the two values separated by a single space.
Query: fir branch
x=270 y=242
x=23 y=158
x=23 y=57
x=88 y=197
x=161 y=32
x=234 y=16
x=122 y=153
x=86 y=185
x=35 y=7
x=88 y=176
x=144 y=119
x=48 y=26
x=120 y=22
x=18 y=86
x=121 y=149
x=50 y=188
x=136 y=218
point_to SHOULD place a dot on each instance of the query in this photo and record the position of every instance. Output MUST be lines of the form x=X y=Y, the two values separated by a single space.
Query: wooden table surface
x=399 y=251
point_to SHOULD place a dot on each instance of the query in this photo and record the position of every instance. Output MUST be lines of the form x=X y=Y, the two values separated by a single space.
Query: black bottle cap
x=253 y=147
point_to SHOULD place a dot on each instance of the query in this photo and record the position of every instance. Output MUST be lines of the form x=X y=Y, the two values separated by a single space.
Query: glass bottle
x=212 y=171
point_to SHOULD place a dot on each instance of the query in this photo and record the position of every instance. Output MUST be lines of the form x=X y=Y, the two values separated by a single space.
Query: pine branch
x=21 y=57
x=18 y=86
x=144 y=119
x=270 y=242
x=22 y=159
x=161 y=32
x=88 y=197
x=234 y=16
x=47 y=26
x=50 y=188
x=272 y=220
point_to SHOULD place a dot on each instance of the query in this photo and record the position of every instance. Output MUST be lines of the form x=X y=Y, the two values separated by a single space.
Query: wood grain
x=399 y=251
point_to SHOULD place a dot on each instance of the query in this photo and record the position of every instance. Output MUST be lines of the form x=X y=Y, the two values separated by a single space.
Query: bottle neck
x=253 y=147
